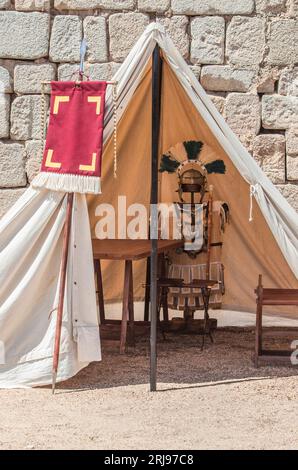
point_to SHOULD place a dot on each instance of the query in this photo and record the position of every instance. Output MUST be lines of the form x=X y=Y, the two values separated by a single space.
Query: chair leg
x=159 y=305
x=131 y=308
x=147 y=291
x=206 y=292
x=258 y=339
x=101 y=305
x=165 y=307
x=125 y=306
x=259 y=314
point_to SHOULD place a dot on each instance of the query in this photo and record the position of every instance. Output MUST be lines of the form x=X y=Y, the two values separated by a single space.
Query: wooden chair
x=164 y=283
x=270 y=296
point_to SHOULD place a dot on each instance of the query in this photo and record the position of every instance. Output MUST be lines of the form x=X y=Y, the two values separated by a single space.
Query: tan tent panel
x=249 y=247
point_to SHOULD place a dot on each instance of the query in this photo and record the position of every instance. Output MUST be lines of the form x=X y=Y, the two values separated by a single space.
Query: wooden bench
x=271 y=296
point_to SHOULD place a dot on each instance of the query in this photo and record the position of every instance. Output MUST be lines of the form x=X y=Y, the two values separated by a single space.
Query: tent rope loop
x=252 y=192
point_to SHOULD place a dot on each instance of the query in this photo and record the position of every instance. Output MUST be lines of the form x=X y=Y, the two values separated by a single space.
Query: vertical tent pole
x=156 y=99
x=63 y=271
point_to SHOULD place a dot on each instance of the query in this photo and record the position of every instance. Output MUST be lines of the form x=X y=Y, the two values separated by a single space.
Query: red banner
x=75 y=133
x=73 y=149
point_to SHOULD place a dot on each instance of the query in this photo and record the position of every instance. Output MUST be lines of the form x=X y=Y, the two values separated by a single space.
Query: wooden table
x=128 y=251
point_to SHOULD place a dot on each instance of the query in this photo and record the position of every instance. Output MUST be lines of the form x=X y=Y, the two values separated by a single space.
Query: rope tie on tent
x=252 y=192
x=43 y=118
x=114 y=95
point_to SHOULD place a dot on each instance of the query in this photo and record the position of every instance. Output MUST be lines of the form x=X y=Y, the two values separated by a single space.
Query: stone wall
x=244 y=52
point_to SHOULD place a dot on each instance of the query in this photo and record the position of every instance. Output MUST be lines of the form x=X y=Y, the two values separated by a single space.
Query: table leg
x=147 y=291
x=131 y=307
x=125 y=305
x=100 y=291
x=164 y=290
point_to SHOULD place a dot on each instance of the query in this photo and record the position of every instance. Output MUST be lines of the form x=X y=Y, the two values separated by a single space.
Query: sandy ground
x=206 y=399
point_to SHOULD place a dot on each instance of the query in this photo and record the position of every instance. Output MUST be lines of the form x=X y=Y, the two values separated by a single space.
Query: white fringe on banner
x=67 y=183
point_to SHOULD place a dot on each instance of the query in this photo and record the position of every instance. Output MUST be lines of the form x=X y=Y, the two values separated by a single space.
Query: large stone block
x=102 y=71
x=116 y=4
x=213 y=7
x=247 y=141
x=293 y=8
x=12 y=165
x=279 y=112
x=94 y=71
x=196 y=69
x=28 y=78
x=292 y=168
x=67 y=71
x=269 y=152
x=176 y=28
x=93 y=4
x=33 y=150
x=288 y=82
x=124 y=31
x=5 y=81
x=8 y=197
x=266 y=82
x=292 y=141
x=243 y=113
x=245 y=41
x=4 y=4
x=75 y=4
x=292 y=153
x=271 y=7
x=218 y=101
x=26 y=117
x=32 y=5
x=158 y=6
x=66 y=39
x=290 y=192
x=95 y=32
x=282 y=42
x=4 y=115
x=207 y=40
x=226 y=78
x=24 y=35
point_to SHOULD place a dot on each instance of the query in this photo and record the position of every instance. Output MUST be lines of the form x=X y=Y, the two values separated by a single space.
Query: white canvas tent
x=31 y=231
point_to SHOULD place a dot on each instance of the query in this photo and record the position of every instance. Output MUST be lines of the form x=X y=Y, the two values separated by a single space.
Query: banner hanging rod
x=48 y=82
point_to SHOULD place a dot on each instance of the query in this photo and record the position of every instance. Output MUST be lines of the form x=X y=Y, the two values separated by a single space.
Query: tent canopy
x=31 y=232
x=268 y=244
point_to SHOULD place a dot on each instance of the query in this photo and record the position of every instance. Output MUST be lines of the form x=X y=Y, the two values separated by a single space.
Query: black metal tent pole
x=156 y=109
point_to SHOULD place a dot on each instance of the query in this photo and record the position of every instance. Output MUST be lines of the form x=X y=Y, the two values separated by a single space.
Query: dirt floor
x=206 y=400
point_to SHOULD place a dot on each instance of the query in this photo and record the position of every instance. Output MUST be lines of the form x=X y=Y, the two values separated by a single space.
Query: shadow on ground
x=182 y=364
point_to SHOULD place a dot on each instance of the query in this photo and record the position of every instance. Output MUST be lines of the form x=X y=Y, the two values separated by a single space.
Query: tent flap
x=30 y=257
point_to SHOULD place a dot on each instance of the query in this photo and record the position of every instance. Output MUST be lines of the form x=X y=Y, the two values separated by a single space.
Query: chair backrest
x=271 y=296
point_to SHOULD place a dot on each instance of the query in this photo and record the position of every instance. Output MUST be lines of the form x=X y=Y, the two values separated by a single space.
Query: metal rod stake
x=63 y=271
